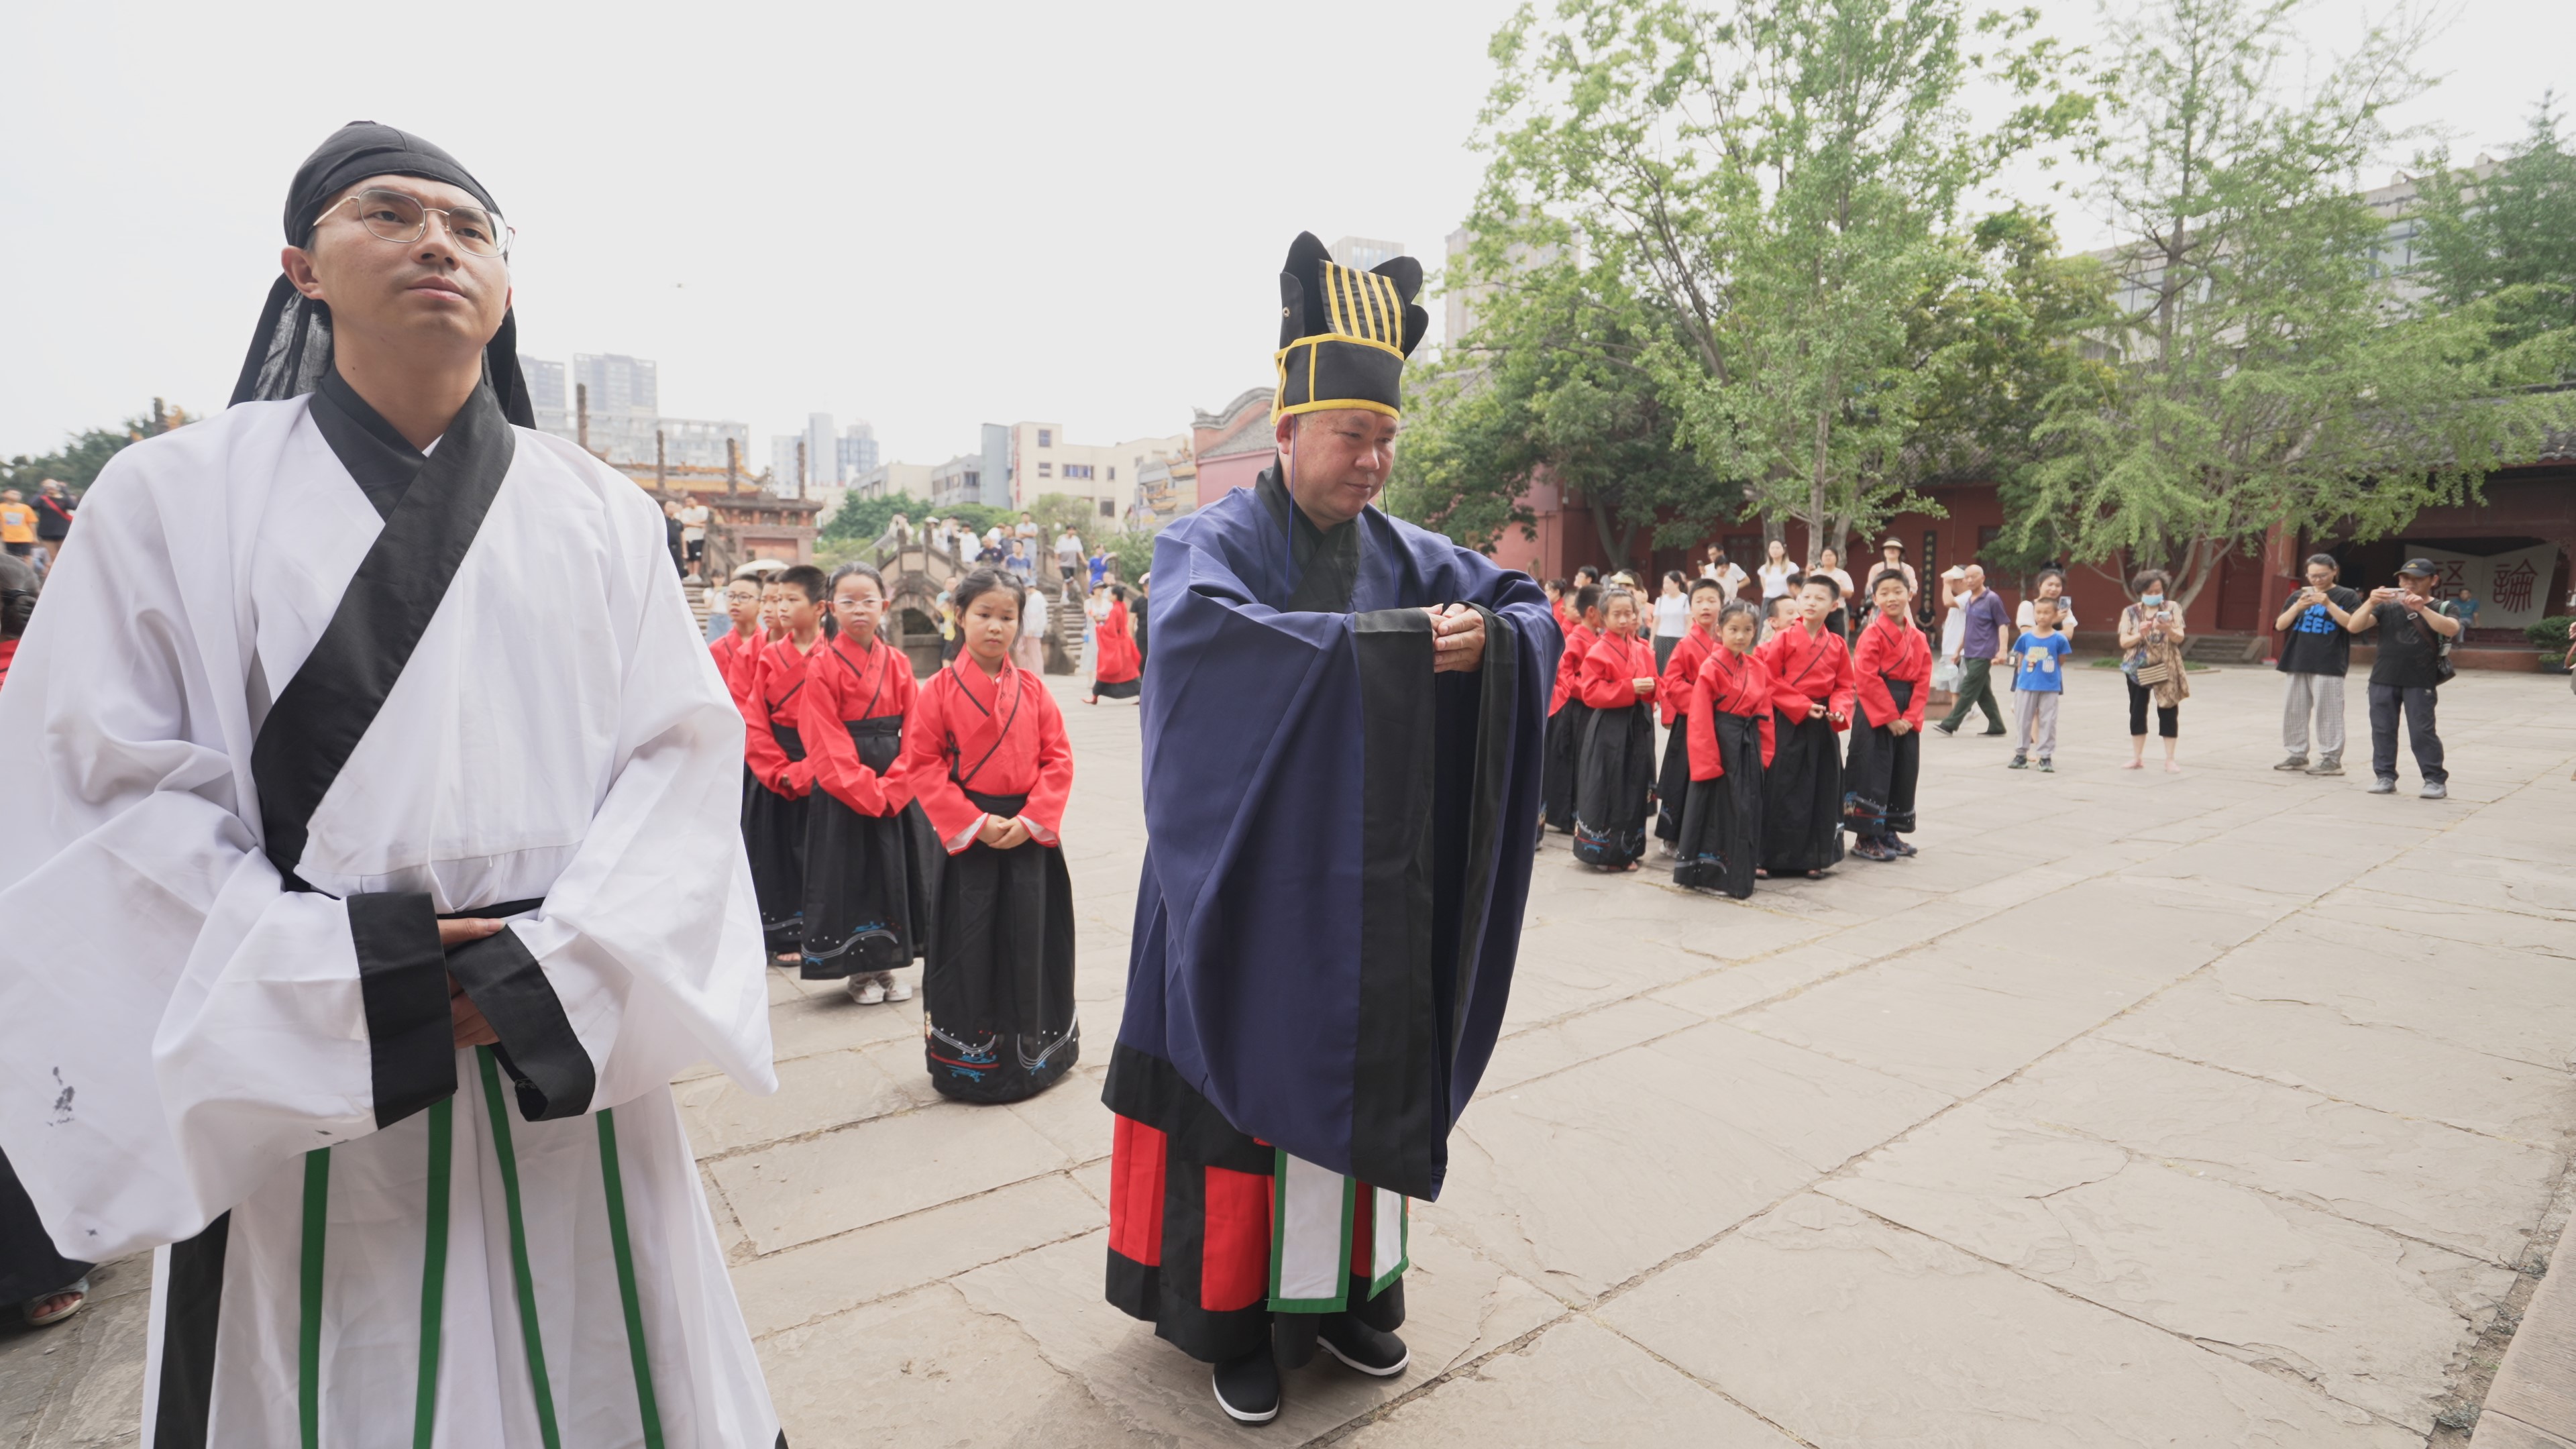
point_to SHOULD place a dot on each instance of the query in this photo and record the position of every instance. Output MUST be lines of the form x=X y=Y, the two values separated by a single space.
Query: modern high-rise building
x=858 y=450
x=624 y=399
x=784 y=469
x=695 y=443
x=548 y=395
x=1360 y=253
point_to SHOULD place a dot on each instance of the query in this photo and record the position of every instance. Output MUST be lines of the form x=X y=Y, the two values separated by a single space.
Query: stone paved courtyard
x=2210 y=1109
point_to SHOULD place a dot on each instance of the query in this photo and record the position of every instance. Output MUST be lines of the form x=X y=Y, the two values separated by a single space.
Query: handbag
x=2153 y=672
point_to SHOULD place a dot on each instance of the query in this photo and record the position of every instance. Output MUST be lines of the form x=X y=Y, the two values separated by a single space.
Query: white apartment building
x=1043 y=461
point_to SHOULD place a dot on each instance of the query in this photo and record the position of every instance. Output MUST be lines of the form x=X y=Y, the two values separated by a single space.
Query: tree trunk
x=1615 y=541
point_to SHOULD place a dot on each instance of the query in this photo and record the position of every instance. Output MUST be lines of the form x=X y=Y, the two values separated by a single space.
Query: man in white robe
x=352 y=657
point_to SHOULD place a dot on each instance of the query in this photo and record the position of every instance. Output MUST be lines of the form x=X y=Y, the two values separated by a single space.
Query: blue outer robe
x=1339 y=839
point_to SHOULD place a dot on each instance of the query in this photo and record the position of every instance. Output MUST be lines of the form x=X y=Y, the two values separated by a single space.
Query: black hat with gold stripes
x=1344 y=333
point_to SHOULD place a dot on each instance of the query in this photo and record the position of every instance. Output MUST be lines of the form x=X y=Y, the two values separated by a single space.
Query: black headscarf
x=292 y=347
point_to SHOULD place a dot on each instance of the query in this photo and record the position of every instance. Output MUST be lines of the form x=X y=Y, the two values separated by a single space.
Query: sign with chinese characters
x=2512 y=589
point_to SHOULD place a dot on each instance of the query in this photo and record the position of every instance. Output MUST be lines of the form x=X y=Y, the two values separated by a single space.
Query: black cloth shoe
x=1247 y=1388
x=1369 y=1350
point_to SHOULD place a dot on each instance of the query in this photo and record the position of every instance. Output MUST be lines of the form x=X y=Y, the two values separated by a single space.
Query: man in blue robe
x=1343 y=719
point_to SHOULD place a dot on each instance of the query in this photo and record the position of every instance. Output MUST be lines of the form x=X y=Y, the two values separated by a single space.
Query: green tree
x=864 y=520
x=2266 y=378
x=1550 y=383
x=1777 y=182
x=78 y=461
x=2510 y=236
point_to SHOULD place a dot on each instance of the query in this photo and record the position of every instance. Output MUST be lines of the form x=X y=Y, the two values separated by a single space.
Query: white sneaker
x=865 y=990
x=896 y=988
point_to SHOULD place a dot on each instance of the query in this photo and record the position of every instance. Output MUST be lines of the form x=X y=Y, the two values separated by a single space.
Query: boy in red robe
x=773 y=808
x=1812 y=695
x=1894 y=671
x=1617 y=775
x=1567 y=714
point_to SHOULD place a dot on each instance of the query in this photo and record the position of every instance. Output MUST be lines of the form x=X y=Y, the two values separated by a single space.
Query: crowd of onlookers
x=1985 y=650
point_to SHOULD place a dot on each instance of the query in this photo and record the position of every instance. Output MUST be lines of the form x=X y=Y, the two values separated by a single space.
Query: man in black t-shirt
x=2316 y=650
x=2410 y=667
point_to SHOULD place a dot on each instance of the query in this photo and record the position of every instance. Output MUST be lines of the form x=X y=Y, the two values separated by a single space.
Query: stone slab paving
x=2209 y=1109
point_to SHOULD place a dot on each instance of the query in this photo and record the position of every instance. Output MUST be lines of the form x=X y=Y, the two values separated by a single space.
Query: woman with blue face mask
x=2151 y=635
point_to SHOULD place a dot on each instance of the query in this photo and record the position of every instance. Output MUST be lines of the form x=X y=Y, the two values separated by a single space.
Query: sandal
x=78 y=1293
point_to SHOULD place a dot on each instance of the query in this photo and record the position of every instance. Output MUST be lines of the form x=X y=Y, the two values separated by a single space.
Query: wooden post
x=733 y=466
x=581 y=415
x=661 y=469
x=800 y=470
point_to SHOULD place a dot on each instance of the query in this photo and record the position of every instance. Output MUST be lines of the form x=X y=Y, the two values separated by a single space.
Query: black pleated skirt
x=1672 y=783
x=1564 y=747
x=773 y=835
x=869 y=879
x=29 y=1266
x=1615 y=786
x=1879 y=775
x=1123 y=689
x=997 y=993
x=1802 y=798
x=1721 y=832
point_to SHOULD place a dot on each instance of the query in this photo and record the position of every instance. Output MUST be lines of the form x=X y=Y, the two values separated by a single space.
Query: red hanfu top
x=1567 y=621
x=1569 y=668
x=768 y=697
x=1810 y=669
x=1674 y=693
x=1611 y=671
x=1728 y=683
x=730 y=651
x=999 y=736
x=1890 y=649
x=843 y=685
x=1118 y=660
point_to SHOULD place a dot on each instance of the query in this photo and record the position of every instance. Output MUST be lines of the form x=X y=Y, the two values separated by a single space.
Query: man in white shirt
x=693 y=536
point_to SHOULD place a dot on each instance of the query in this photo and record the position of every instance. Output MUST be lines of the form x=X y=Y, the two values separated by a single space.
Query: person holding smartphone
x=2316 y=651
x=2407 y=675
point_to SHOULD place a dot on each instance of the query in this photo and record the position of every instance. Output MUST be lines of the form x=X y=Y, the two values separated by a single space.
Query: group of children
x=1754 y=782
x=888 y=819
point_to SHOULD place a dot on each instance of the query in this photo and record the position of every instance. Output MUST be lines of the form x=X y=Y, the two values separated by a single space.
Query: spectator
x=1068 y=552
x=1891 y=559
x=1718 y=567
x=693 y=538
x=2463 y=603
x=1099 y=565
x=1672 y=621
x=1829 y=565
x=1954 y=622
x=2052 y=585
x=1026 y=531
x=671 y=532
x=2316 y=653
x=17 y=524
x=54 y=508
x=1776 y=571
x=2151 y=635
x=1985 y=636
x=897 y=535
x=1022 y=566
x=18 y=587
x=2413 y=632
x=2039 y=682
x=991 y=555
x=1029 y=650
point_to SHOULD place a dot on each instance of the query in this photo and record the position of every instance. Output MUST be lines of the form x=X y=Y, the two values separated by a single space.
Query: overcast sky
x=927 y=216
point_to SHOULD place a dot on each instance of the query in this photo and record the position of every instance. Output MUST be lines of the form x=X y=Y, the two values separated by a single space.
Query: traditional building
x=1230 y=447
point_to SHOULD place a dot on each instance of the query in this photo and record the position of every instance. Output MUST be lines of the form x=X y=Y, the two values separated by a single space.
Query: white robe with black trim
x=180 y=1028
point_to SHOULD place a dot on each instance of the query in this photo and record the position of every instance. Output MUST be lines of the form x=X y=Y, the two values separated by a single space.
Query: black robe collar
x=381 y=459
x=1327 y=564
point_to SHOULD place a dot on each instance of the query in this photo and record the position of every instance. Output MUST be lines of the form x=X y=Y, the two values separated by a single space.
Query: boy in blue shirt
x=2039 y=678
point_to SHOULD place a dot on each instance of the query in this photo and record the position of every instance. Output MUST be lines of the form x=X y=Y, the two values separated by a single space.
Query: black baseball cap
x=2423 y=568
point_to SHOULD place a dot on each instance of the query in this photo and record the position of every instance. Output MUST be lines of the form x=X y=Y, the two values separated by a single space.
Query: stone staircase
x=701 y=603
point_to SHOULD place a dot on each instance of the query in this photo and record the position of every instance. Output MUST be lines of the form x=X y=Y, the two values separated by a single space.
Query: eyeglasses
x=399 y=218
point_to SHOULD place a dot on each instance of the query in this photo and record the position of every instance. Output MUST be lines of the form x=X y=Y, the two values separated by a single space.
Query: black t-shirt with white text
x=2315 y=643
x=2408 y=648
